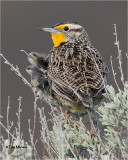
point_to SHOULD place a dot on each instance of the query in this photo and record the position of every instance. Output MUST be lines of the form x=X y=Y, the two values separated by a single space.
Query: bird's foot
x=67 y=115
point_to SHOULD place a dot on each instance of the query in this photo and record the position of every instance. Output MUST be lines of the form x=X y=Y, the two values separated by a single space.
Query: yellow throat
x=58 y=39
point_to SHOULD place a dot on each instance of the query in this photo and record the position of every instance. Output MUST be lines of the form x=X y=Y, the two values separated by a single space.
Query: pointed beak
x=51 y=30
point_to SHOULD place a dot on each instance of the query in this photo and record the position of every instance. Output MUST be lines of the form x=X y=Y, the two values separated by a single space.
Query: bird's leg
x=67 y=115
x=93 y=132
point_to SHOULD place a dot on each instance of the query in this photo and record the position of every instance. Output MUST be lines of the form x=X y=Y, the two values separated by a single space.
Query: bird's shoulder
x=76 y=56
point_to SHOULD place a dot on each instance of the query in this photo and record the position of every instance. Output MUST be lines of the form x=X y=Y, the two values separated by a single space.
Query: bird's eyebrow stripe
x=60 y=26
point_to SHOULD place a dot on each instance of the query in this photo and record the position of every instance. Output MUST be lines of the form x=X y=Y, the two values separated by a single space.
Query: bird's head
x=64 y=32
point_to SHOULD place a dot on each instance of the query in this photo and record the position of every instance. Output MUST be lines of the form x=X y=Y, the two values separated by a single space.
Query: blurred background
x=20 y=21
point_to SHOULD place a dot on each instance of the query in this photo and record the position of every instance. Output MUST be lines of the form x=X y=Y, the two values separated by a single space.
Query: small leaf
x=111 y=90
x=124 y=123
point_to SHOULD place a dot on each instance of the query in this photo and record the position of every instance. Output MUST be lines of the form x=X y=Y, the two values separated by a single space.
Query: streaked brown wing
x=64 y=92
x=81 y=72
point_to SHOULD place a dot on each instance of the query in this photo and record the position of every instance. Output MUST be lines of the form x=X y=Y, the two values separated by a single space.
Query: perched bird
x=74 y=70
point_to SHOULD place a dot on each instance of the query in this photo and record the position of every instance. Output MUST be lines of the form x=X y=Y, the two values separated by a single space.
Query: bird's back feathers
x=78 y=70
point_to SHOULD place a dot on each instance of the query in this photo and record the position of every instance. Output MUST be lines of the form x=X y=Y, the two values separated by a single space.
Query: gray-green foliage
x=114 y=118
x=72 y=142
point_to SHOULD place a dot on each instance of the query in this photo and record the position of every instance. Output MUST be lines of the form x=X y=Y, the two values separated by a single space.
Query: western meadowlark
x=73 y=74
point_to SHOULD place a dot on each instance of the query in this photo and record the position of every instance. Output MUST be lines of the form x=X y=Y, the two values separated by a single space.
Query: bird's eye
x=66 y=28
